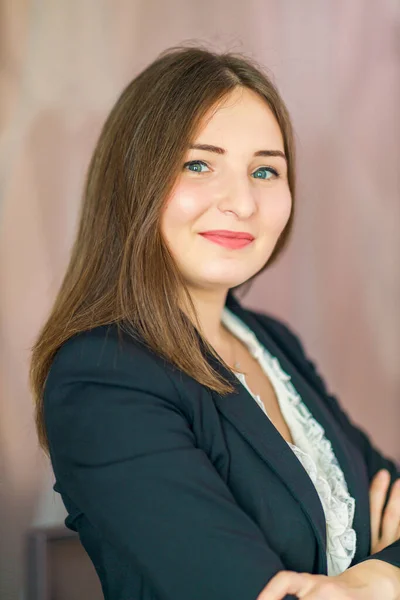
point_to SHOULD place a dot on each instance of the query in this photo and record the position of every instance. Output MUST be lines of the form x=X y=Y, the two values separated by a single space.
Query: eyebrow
x=219 y=150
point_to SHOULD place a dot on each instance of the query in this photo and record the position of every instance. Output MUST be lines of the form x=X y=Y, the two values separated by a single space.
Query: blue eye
x=193 y=163
x=196 y=163
x=269 y=170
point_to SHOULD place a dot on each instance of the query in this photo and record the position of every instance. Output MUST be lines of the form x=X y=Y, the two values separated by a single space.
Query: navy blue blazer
x=179 y=493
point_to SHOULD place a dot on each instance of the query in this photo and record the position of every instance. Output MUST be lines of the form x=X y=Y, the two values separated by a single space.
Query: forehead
x=242 y=114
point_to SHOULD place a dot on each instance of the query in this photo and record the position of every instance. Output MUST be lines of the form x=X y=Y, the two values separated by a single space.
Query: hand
x=391 y=517
x=313 y=587
x=368 y=580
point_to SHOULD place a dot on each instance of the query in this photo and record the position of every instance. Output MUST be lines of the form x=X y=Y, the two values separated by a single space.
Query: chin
x=223 y=283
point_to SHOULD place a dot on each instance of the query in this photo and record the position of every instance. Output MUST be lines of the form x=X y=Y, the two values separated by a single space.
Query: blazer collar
x=265 y=439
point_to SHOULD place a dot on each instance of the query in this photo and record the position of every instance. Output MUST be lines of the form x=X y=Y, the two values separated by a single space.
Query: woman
x=195 y=447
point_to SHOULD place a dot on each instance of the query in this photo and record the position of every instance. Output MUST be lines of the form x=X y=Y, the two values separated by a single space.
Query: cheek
x=276 y=212
x=183 y=207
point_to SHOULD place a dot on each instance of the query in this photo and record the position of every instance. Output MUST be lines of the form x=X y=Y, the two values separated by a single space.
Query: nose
x=238 y=196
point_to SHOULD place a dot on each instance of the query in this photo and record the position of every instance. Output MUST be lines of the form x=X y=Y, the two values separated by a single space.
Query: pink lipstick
x=229 y=239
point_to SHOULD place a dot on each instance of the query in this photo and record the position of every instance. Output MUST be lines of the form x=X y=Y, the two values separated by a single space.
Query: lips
x=234 y=242
x=242 y=235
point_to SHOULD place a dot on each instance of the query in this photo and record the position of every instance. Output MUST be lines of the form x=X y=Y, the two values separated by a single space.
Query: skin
x=236 y=181
x=388 y=519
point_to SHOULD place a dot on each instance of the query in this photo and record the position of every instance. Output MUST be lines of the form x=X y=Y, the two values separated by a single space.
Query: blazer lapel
x=245 y=415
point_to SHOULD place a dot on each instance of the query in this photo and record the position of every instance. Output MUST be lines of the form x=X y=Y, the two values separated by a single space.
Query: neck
x=209 y=307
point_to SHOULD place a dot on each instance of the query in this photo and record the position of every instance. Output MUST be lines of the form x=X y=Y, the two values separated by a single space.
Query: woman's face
x=230 y=189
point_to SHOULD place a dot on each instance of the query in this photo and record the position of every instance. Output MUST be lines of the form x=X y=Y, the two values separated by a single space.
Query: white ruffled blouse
x=312 y=448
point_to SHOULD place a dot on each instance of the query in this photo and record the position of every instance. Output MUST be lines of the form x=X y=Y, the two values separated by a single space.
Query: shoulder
x=110 y=356
x=108 y=398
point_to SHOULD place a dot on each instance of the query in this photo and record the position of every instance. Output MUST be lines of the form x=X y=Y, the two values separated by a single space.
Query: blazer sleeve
x=123 y=451
x=375 y=460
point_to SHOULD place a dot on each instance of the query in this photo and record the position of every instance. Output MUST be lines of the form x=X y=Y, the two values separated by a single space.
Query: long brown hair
x=120 y=270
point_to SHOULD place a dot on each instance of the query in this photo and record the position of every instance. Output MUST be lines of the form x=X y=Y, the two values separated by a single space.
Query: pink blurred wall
x=337 y=65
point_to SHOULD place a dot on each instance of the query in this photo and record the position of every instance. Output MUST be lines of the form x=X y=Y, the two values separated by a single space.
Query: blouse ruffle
x=312 y=448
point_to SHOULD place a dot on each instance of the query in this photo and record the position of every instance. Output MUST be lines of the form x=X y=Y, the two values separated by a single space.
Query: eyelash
x=201 y=162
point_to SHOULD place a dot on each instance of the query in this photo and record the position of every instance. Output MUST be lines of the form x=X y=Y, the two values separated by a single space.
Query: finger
x=391 y=517
x=377 y=494
x=287 y=582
